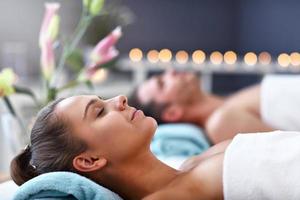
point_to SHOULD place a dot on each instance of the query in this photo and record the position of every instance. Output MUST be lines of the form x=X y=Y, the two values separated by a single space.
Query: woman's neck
x=139 y=177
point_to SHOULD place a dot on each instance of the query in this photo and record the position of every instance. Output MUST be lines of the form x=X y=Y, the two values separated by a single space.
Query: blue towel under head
x=62 y=186
x=180 y=139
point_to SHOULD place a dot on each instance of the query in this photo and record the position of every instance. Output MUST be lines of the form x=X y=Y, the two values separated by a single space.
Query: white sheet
x=280 y=101
x=173 y=161
x=263 y=166
x=7 y=190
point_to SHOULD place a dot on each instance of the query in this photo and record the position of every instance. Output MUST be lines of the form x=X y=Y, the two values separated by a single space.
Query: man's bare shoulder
x=246 y=97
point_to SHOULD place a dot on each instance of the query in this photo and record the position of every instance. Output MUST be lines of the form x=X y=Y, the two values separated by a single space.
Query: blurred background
x=208 y=25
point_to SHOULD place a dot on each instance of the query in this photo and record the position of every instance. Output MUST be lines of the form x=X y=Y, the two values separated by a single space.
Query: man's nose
x=170 y=72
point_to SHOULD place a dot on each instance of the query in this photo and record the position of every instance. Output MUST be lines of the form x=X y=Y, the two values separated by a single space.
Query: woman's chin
x=151 y=125
x=154 y=123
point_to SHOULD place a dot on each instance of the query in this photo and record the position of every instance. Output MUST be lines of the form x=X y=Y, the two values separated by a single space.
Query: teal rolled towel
x=62 y=186
x=180 y=139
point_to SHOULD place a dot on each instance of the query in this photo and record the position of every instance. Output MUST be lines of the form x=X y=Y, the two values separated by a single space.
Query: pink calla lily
x=47 y=60
x=105 y=50
x=48 y=34
x=49 y=29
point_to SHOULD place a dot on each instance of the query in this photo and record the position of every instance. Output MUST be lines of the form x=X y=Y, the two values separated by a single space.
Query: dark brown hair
x=52 y=147
x=152 y=108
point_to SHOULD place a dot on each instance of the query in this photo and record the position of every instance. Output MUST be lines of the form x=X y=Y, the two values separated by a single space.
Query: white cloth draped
x=280 y=101
x=263 y=166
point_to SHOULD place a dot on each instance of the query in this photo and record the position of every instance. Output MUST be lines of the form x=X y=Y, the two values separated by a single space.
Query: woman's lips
x=135 y=114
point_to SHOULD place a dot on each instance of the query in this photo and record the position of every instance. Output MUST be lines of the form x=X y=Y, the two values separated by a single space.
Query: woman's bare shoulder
x=203 y=181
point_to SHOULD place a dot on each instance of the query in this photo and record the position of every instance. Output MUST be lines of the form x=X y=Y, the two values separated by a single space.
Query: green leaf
x=75 y=61
x=7 y=78
x=86 y=3
x=110 y=64
x=26 y=91
x=51 y=95
x=14 y=113
x=10 y=106
x=89 y=84
x=96 y=6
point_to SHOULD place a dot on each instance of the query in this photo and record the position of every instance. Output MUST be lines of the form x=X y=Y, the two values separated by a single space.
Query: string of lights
x=229 y=59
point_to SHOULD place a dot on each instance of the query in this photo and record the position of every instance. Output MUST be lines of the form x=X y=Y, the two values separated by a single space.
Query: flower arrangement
x=52 y=71
x=101 y=54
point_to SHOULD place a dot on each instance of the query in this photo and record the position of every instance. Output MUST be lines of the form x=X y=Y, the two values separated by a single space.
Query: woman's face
x=110 y=128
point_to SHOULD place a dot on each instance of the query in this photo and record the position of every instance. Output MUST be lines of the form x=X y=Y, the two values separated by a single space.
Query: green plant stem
x=82 y=26
x=48 y=90
x=51 y=94
x=68 y=85
x=14 y=113
x=27 y=91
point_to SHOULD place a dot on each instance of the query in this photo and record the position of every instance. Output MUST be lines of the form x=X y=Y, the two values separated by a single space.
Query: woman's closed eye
x=99 y=111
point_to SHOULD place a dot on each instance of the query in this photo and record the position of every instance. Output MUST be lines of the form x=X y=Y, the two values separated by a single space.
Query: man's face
x=170 y=87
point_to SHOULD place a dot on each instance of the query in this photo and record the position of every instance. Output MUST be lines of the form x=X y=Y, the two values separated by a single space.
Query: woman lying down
x=109 y=142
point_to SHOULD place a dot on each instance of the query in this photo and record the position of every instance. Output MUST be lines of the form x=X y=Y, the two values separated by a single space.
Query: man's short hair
x=152 y=108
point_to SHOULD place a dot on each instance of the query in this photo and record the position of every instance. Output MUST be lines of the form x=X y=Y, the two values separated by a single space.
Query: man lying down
x=177 y=97
x=108 y=141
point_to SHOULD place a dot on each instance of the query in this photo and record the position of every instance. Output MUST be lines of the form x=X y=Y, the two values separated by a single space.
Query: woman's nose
x=121 y=102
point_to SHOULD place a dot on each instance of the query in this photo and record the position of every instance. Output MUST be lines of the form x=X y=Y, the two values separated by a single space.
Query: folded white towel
x=263 y=166
x=280 y=101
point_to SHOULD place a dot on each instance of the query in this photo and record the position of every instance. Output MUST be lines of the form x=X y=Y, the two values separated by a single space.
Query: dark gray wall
x=240 y=25
x=271 y=25
x=178 y=24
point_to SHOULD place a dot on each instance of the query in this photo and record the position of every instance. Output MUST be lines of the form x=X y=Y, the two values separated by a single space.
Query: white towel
x=263 y=166
x=8 y=190
x=280 y=101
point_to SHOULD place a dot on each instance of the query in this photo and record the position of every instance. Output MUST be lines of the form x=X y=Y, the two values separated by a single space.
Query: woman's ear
x=88 y=163
x=172 y=113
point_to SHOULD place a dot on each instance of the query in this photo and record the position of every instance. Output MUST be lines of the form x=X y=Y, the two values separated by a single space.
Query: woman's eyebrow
x=92 y=101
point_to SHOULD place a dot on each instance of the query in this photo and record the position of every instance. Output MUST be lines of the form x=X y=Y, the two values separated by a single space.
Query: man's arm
x=239 y=114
